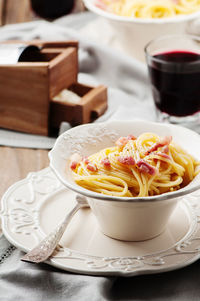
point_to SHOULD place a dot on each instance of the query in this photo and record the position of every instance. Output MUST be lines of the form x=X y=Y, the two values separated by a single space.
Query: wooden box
x=27 y=90
x=93 y=104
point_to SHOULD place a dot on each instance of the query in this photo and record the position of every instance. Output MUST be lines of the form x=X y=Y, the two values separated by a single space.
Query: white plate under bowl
x=31 y=208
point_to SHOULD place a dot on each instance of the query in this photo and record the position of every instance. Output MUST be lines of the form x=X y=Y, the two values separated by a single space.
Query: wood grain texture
x=17 y=11
x=24 y=97
x=1 y=11
x=63 y=71
x=27 y=87
x=92 y=105
x=16 y=163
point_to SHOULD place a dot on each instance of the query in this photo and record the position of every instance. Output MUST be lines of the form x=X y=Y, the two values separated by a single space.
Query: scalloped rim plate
x=33 y=207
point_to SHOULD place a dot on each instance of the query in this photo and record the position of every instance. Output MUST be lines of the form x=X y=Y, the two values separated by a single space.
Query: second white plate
x=33 y=207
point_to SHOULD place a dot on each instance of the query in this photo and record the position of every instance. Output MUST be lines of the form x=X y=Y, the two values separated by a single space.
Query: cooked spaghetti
x=136 y=167
x=149 y=8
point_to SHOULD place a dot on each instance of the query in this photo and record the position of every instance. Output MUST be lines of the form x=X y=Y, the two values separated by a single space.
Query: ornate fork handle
x=46 y=247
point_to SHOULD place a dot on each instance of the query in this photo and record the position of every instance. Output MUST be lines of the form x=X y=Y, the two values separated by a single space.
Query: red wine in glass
x=175 y=80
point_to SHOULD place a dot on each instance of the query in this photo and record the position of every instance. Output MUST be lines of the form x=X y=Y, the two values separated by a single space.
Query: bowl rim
x=169 y=36
x=180 y=18
x=91 y=194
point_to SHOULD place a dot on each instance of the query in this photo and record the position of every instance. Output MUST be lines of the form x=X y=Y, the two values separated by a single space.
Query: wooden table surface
x=16 y=163
x=16 y=11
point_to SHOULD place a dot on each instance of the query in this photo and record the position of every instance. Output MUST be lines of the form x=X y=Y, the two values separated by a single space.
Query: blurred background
x=12 y=11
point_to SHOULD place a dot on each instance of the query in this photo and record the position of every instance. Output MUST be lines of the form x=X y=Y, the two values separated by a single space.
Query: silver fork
x=47 y=246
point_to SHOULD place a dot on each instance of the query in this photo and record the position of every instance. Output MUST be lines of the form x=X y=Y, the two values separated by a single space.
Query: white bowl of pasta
x=133 y=173
x=136 y=22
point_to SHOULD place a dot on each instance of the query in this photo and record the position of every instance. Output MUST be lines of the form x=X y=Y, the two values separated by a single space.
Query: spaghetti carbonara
x=149 y=8
x=136 y=167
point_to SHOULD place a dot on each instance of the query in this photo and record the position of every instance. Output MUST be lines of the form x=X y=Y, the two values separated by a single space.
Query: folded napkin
x=125 y=77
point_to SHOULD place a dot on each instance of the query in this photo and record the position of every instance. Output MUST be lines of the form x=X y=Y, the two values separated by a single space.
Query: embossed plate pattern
x=32 y=207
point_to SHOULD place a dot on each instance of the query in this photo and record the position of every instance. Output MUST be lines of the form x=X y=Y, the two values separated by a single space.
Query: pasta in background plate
x=149 y=8
x=136 y=167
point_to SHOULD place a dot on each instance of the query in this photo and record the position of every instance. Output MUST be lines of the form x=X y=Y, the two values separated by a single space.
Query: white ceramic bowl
x=124 y=218
x=135 y=33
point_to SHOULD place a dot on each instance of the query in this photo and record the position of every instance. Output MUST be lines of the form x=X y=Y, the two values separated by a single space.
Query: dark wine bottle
x=52 y=9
